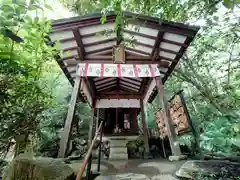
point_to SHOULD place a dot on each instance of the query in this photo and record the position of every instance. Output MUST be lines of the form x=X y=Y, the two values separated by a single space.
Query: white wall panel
x=118 y=103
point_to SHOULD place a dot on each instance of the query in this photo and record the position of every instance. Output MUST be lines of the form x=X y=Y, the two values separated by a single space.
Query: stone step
x=119 y=156
x=118 y=143
x=118 y=150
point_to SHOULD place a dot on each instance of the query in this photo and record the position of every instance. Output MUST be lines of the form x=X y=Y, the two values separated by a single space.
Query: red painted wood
x=102 y=70
x=152 y=71
x=119 y=70
x=135 y=70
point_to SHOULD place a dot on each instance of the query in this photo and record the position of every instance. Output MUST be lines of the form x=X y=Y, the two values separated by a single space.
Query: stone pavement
x=139 y=169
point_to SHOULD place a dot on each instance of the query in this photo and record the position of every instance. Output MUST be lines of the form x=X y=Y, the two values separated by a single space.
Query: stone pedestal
x=177 y=158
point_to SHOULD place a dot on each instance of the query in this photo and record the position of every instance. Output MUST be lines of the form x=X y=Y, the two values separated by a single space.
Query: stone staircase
x=118 y=149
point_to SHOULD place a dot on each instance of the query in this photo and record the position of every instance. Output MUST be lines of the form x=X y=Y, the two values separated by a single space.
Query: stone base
x=177 y=158
x=123 y=176
x=147 y=155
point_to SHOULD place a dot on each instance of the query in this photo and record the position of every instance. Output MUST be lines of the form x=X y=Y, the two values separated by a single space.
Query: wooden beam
x=69 y=57
x=139 y=43
x=155 y=50
x=119 y=33
x=100 y=86
x=139 y=34
x=120 y=96
x=69 y=120
x=130 y=82
x=67 y=39
x=144 y=127
x=119 y=93
x=137 y=51
x=168 y=51
x=108 y=88
x=100 y=42
x=80 y=48
x=70 y=49
x=167 y=118
x=64 y=69
x=80 y=24
x=129 y=58
x=166 y=27
x=163 y=64
x=92 y=86
x=179 y=55
x=144 y=85
x=81 y=53
x=118 y=85
x=103 y=53
x=102 y=33
x=174 y=42
x=99 y=50
x=128 y=89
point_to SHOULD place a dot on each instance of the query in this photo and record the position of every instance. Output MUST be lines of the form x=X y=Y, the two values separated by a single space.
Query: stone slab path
x=157 y=169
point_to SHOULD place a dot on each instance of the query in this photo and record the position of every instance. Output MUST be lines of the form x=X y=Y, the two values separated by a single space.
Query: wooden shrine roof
x=85 y=39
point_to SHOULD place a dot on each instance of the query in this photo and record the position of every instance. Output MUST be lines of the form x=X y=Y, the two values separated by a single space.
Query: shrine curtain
x=118 y=70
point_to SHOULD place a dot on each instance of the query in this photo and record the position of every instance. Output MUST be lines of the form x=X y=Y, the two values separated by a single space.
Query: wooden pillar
x=144 y=127
x=97 y=120
x=64 y=142
x=90 y=136
x=134 y=121
x=100 y=145
x=167 y=118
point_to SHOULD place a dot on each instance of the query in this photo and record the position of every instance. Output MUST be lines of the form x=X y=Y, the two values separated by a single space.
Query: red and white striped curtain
x=117 y=70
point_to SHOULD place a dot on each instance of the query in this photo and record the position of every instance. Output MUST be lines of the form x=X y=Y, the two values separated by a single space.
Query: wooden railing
x=89 y=152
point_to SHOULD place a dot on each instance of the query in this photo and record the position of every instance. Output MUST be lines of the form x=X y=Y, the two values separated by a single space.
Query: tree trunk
x=21 y=144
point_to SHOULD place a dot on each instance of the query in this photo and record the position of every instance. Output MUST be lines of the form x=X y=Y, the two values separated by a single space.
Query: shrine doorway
x=120 y=121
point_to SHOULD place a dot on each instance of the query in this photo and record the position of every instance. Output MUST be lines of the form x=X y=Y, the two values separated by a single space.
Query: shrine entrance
x=120 y=122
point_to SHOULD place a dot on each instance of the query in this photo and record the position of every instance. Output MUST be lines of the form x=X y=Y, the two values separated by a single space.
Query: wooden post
x=97 y=120
x=117 y=118
x=167 y=118
x=90 y=136
x=144 y=127
x=194 y=130
x=100 y=148
x=64 y=142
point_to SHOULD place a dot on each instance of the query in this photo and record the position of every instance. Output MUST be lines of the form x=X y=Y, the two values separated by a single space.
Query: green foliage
x=188 y=140
x=219 y=135
x=164 y=9
x=135 y=144
x=23 y=97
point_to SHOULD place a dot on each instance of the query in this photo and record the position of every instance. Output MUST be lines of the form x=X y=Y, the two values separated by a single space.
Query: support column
x=100 y=145
x=64 y=142
x=90 y=136
x=167 y=118
x=144 y=127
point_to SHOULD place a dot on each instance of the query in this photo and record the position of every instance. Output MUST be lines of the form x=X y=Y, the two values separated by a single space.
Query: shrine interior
x=125 y=118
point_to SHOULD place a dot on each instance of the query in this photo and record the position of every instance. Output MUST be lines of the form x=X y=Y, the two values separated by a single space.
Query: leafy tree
x=23 y=56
